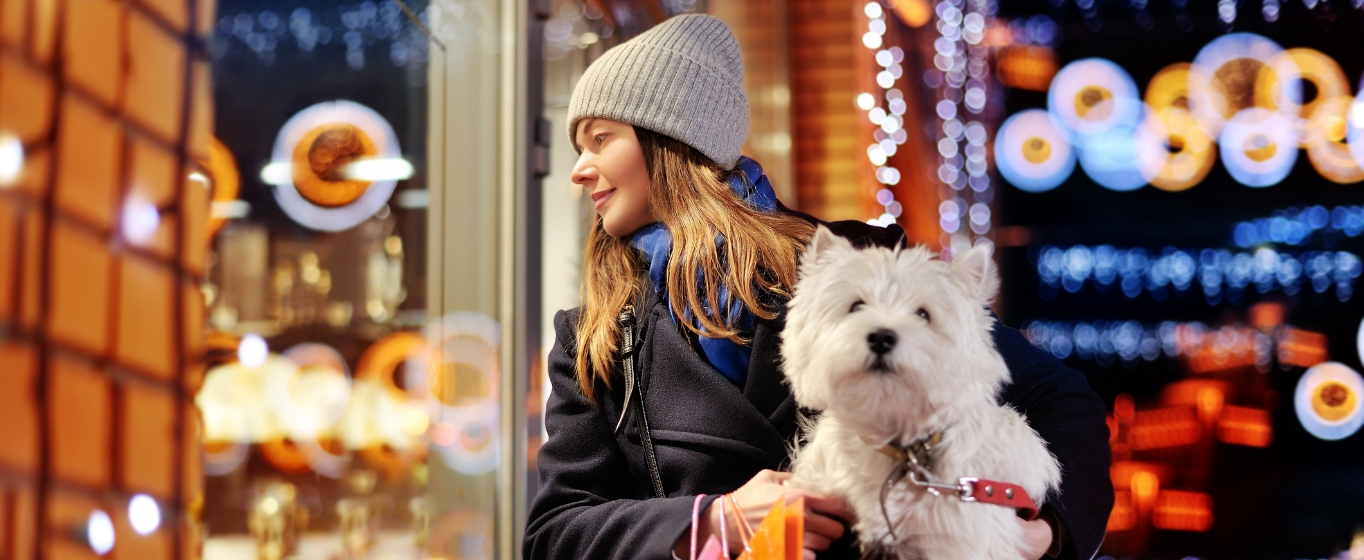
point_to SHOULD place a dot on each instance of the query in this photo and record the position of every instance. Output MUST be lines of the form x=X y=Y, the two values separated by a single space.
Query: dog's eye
x=923 y=313
x=856 y=306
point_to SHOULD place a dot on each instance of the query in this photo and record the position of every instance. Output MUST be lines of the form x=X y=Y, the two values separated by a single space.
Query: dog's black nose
x=881 y=341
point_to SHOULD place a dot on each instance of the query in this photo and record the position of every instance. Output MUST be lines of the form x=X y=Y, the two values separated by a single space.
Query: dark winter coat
x=595 y=499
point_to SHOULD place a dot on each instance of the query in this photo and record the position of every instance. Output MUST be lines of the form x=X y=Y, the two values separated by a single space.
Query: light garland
x=962 y=78
x=1220 y=273
x=885 y=111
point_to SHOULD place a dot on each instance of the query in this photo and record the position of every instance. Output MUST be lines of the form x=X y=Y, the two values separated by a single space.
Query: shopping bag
x=780 y=535
x=714 y=549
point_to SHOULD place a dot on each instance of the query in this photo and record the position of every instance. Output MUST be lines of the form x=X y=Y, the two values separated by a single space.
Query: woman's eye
x=600 y=138
x=856 y=306
x=923 y=313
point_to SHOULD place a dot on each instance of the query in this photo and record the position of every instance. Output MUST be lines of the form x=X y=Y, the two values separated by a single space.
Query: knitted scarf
x=656 y=243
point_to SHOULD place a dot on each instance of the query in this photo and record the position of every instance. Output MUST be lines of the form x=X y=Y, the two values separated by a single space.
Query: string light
x=886 y=110
x=962 y=80
x=1220 y=272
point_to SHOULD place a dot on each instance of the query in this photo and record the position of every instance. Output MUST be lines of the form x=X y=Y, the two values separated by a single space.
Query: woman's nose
x=584 y=173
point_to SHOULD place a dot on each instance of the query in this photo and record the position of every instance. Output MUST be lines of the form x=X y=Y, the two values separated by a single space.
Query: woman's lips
x=599 y=198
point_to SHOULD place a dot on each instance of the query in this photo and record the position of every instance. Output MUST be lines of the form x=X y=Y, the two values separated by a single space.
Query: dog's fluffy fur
x=943 y=373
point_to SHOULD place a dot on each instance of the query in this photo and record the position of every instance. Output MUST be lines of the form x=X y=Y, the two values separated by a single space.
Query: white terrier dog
x=894 y=348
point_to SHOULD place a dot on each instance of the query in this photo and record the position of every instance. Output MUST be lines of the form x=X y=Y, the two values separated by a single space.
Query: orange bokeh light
x=1164 y=427
x=1178 y=510
x=1241 y=425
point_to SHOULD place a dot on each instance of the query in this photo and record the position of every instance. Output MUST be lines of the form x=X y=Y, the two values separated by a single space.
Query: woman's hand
x=757 y=496
x=1037 y=538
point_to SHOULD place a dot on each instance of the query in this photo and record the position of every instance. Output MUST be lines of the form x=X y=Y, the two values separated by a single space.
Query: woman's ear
x=977 y=269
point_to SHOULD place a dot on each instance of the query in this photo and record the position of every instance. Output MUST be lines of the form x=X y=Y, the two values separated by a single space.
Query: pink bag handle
x=696 y=522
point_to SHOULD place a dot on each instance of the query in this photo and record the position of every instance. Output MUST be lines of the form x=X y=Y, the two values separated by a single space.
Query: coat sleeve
x=584 y=508
x=1070 y=417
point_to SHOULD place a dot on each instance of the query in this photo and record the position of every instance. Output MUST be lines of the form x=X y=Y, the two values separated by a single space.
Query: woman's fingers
x=817 y=542
x=807 y=554
x=825 y=504
x=819 y=525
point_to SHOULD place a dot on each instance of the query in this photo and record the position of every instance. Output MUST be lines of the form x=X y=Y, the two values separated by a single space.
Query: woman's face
x=611 y=169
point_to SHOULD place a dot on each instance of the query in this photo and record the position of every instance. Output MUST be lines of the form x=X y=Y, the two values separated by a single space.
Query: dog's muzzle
x=881 y=342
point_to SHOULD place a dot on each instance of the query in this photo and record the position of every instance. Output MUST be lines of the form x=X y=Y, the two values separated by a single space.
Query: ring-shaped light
x=1258 y=147
x=1239 y=71
x=1191 y=152
x=1329 y=401
x=1316 y=68
x=1127 y=156
x=1088 y=96
x=1032 y=152
x=1324 y=139
x=305 y=124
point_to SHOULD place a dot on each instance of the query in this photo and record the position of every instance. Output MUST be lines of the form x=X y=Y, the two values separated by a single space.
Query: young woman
x=691 y=261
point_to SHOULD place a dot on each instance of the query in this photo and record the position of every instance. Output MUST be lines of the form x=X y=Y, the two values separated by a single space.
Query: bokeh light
x=144 y=514
x=1032 y=152
x=99 y=532
x=1328 y=401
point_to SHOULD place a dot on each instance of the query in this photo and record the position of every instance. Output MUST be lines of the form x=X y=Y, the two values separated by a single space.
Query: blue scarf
x=656 y=242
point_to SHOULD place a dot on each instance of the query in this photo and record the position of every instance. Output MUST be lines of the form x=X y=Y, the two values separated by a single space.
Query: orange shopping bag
x=780 y=534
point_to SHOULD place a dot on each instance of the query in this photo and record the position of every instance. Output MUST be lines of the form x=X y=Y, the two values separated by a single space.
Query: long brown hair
x=689 y=194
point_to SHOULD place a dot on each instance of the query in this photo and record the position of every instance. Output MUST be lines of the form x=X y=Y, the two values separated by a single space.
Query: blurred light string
x=1219 y=272
x=885 y=110
x=1131 y=341
x=962 y=80
x=1295 y=226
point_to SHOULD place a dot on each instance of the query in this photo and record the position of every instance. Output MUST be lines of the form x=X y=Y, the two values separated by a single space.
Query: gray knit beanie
x=684 y=79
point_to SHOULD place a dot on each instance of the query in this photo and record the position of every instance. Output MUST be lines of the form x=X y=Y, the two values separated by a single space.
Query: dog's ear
x=976 y=268
x=824 y=247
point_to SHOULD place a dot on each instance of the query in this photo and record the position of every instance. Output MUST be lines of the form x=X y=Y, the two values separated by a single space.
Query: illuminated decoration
x=222 y=457
x=1126 y=155
x=1295 y=226
x=1251 y=427
x=224 y=181
x=962 y=77
x=886 y=111
x=1327 y=401
x=140 y=219
x=233 y=404
x=915 y=13
x=1302 y=348
x=1219 y=272
x=1191 y=149
x=1165 y=427
x=1324 y=139
x=1093 y=95
x=1317 y=69
x=466 y=386
x=252 y=351
x=1354 y=128
x=143 y=514
x=1123 y=516
x=1027 y=67
x=312 y=159
x=1179 y=510
x=1205 y=349
x=310 y=399
x=11 y=159
x=367 y=26
x=1258 y=147
x=285 y=456
x=1032 y=153
x=1240 y=71
x=99 y=532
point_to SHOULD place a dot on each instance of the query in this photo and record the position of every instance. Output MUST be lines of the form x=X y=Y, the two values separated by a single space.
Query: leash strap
x=998 y=493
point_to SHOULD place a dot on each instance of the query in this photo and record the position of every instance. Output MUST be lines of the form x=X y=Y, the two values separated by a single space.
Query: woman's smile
x=599 y=197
